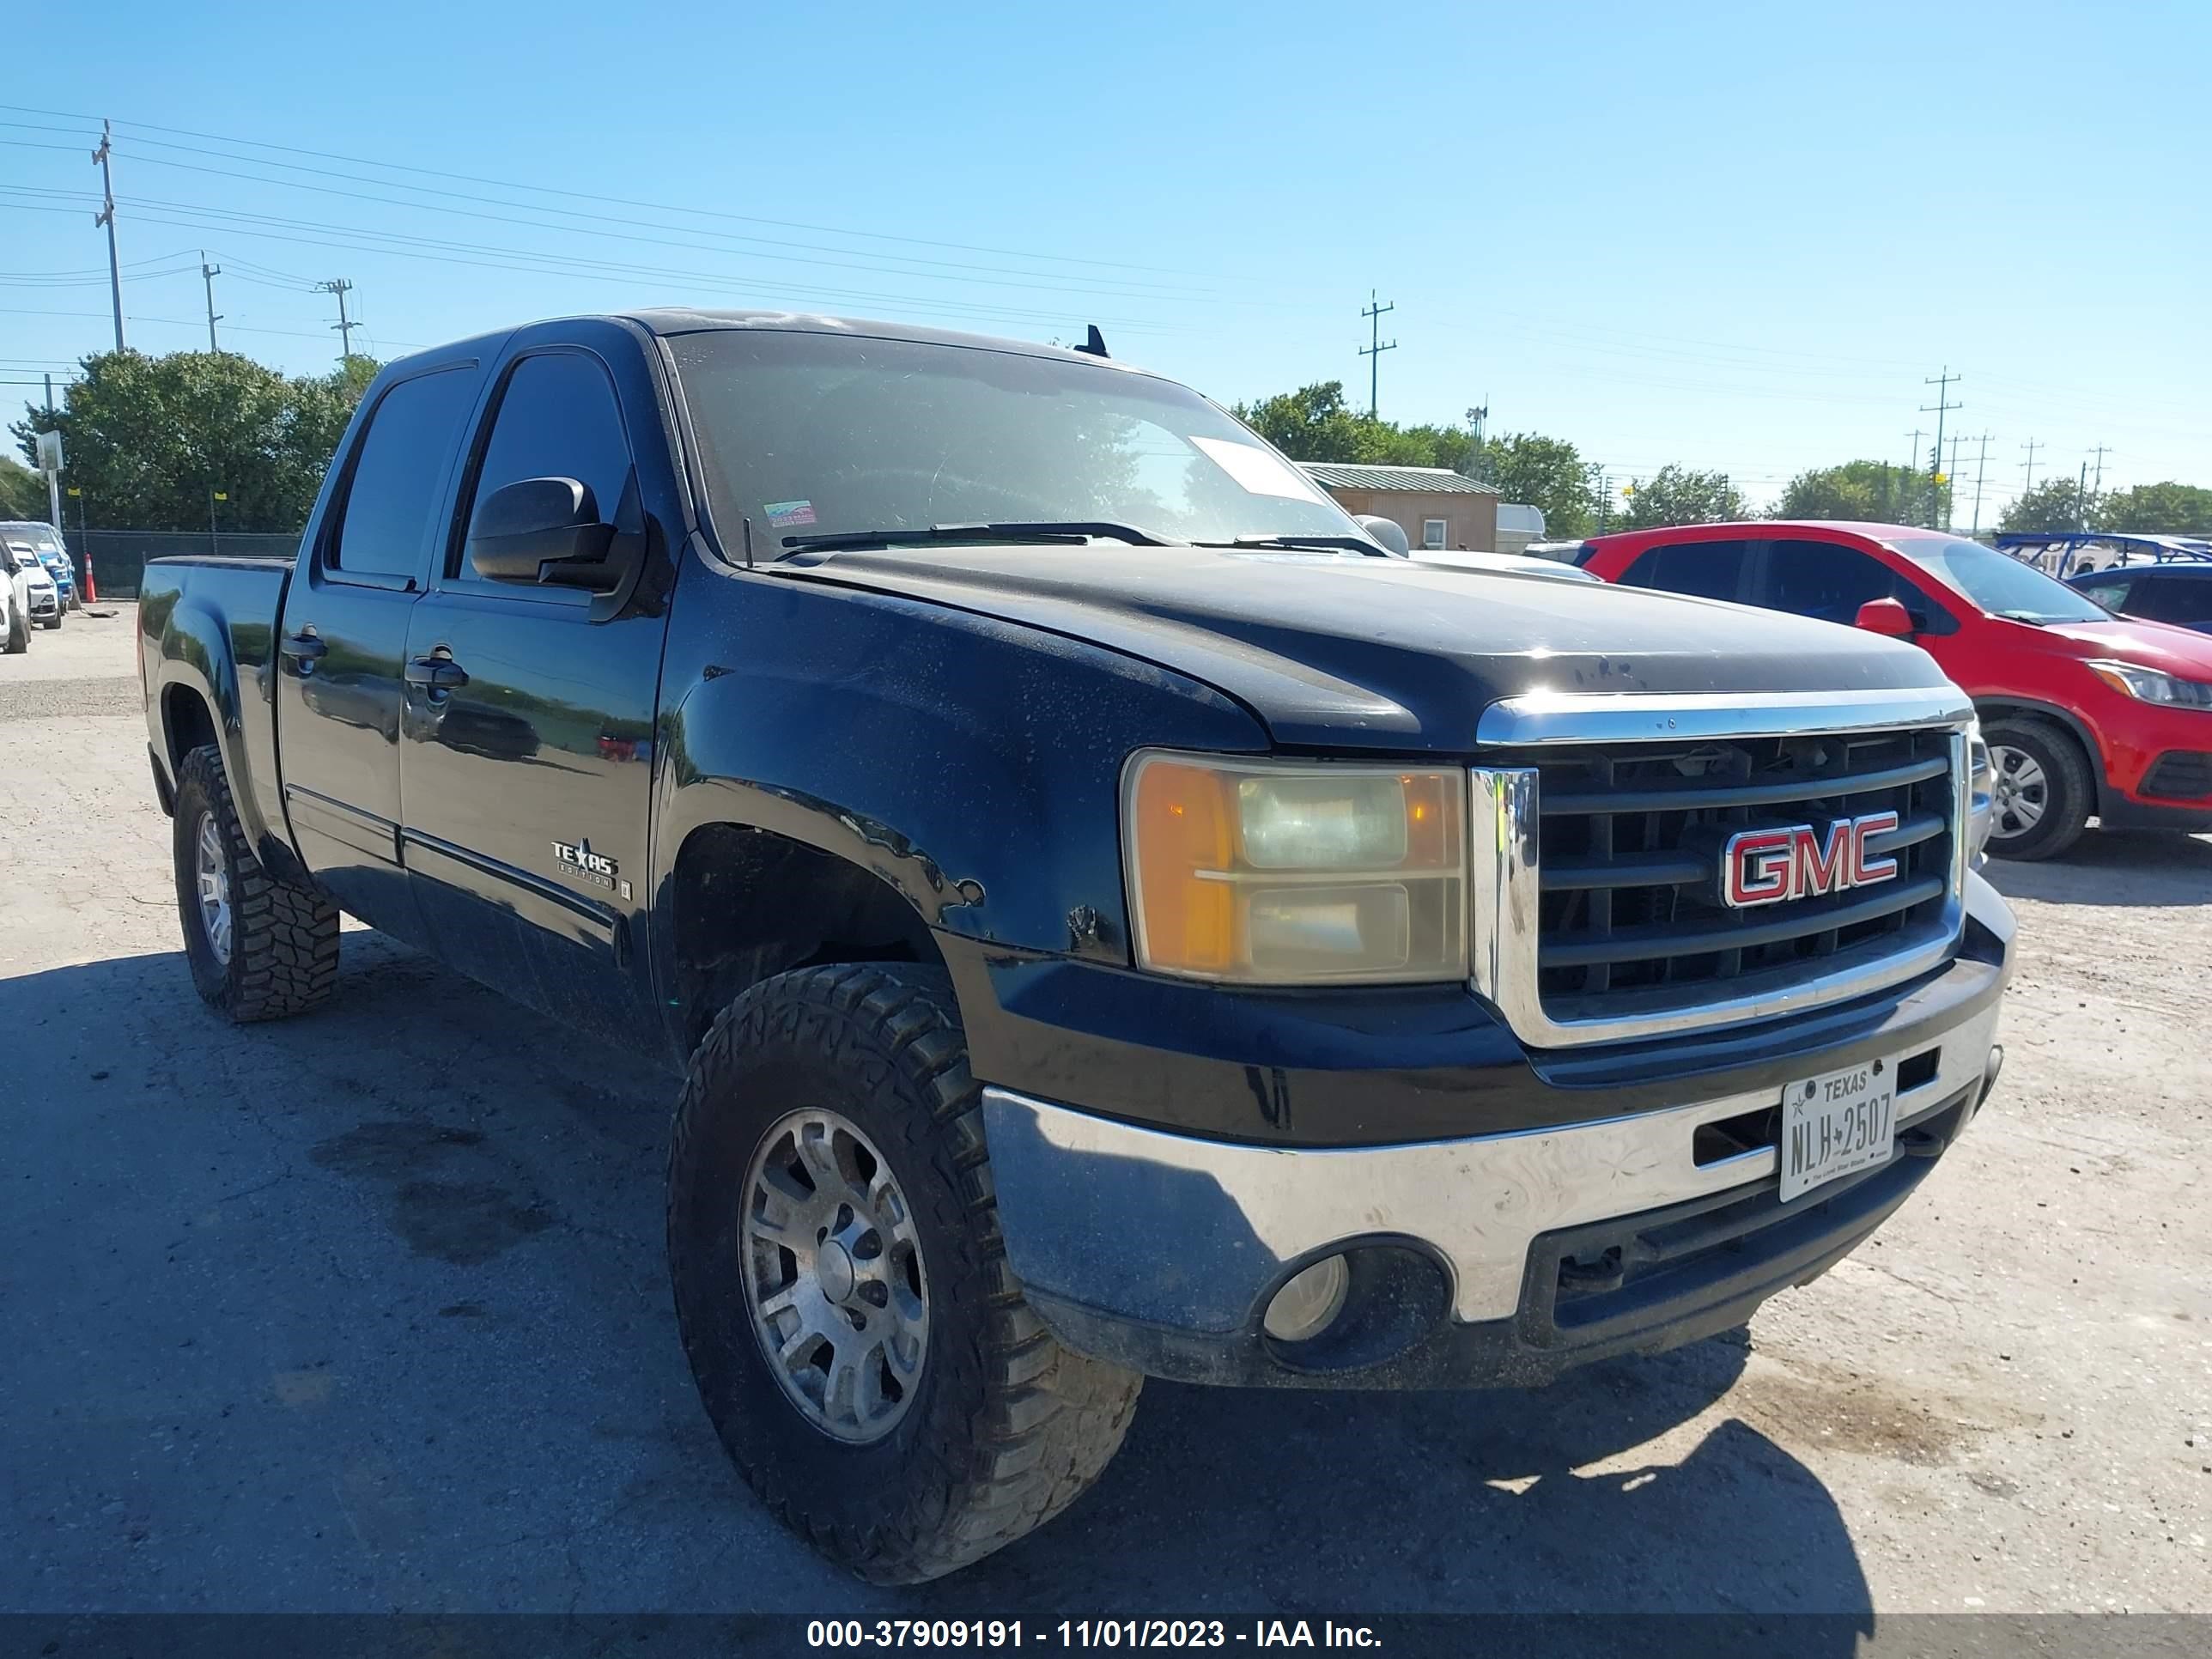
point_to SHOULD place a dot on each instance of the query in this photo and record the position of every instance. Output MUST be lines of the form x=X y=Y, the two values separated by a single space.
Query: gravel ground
x=366 y=1311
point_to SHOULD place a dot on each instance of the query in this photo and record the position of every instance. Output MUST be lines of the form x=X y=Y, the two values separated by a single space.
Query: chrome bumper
x=1111 y=1224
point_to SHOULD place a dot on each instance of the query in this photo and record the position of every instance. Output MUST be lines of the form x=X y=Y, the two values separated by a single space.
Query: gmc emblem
x=1766 y=866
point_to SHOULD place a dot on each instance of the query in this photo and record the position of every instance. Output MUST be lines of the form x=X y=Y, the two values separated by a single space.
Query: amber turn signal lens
x=1181 y=827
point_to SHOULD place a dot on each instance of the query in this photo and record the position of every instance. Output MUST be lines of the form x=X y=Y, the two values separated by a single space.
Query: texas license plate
x=1838 y=1124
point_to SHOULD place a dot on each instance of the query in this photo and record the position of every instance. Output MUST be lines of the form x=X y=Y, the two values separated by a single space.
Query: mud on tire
x=283 y=944
x=1006 y=1427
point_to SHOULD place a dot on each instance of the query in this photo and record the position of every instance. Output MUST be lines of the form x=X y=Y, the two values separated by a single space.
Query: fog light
x=1302 y=1308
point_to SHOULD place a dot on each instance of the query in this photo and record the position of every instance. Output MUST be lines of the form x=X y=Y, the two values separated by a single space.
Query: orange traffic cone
x=91 y=593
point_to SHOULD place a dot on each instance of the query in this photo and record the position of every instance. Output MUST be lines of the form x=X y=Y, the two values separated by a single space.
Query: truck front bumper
x=1500 y=1258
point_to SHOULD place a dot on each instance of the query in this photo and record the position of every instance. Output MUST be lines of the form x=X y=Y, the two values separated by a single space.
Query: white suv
x=38 y=599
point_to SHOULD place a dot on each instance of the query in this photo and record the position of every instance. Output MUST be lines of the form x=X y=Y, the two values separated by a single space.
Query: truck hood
x=1334 y=650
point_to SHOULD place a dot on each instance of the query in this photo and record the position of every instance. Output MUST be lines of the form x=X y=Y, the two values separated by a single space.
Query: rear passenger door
x=527 y=784
x=1707 y=569
x=344 y=639
x=1827 y=581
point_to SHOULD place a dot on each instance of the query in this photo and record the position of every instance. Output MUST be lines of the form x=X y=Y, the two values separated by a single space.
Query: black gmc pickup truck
x=1110 y=917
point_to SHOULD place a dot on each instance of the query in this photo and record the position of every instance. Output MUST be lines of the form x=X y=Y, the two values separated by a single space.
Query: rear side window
x=1827 y=580
x=2173 y=598
x=1709 y=570
x=394 y=491
x=557 y=418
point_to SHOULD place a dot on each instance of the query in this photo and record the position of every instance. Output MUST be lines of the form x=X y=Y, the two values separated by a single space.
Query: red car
x=2087 y=713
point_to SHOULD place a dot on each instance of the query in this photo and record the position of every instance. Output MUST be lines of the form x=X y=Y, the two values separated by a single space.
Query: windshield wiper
x=1063 y=531
x=2033 y=618
x=1346 y=543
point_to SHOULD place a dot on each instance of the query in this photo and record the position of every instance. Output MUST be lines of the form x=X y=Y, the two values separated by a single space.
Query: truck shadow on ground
x=495 y=1180
x=2114 y=867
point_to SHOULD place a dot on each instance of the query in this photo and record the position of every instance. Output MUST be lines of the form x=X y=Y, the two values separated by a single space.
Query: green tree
x=1545 y=472
x=1315 y=423
x=22 y=492
x=149 y=438
x=1680 y=495
x=2054 y=504
x=2157 y=508
x=1872 y=491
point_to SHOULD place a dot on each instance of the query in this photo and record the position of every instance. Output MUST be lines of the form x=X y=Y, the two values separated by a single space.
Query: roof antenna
x=1095 y=345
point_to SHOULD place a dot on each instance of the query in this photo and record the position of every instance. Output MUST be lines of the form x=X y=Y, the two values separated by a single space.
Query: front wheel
x=858 y=1338
x=18 y=636
x=258 y=948
x=2042 y=791
x=55 y=620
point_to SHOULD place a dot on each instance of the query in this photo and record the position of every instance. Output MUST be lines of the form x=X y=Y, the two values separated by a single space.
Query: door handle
x=302 y=647
x=436 y=674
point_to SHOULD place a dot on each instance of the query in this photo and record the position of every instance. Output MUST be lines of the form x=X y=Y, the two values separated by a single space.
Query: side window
x=1827 y=580
x=557 y=418
x=393 y=492
x=1707 y=570
x=2171 y=598
x=1433 y=531
x=2112 y=595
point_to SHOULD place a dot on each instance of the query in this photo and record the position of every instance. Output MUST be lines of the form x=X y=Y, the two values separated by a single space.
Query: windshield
x=818 y=434
x=1999 y=583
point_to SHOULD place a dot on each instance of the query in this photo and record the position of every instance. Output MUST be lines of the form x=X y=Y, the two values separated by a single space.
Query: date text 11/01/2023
x=1086 y=1633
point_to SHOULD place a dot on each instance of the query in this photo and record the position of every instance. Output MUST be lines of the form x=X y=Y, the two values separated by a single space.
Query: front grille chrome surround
x=1508 y=810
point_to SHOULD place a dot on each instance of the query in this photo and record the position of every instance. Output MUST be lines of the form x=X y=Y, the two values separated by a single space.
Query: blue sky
x=1734 y=237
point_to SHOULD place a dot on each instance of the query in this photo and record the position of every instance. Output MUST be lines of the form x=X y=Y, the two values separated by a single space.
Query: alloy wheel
x=833 y=1275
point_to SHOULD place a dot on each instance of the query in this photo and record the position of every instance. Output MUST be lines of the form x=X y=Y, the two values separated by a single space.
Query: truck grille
x=1630 y=917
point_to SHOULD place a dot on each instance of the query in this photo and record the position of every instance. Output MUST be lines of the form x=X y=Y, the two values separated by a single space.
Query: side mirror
x=544 y=531
x=1391 y=535
x=1887 y=617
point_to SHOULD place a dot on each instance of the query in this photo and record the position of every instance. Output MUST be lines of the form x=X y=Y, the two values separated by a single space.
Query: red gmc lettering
x=1766 y=866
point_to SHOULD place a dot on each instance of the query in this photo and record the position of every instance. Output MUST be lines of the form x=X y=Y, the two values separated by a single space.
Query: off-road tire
x=284 y=938
x=1008 y=1427
x=2072 y=793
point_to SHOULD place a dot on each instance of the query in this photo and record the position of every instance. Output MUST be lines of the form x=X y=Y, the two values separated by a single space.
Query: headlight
x=2151 y=686
x=1981 y=793
x=1276 y=873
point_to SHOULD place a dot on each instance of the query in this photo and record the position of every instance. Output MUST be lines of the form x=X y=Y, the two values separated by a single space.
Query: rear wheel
x=259 y=948
x=2042 y=789
x=858 y=1338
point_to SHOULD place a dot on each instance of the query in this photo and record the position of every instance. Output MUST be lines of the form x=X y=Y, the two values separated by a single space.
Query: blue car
x=2177 y=590
x=52 y=554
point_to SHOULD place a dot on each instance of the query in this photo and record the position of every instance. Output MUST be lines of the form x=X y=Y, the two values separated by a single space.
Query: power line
x=1374 y=350
x=587 y=196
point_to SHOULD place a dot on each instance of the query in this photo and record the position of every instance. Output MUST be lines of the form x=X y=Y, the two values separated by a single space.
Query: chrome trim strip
x=1550 y=717
x=1244 y=1215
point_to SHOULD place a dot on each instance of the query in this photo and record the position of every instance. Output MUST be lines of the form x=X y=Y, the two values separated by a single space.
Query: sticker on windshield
x=782 y=515
x=1258 y=470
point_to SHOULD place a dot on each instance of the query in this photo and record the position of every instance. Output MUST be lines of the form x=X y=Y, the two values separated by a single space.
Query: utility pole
x=2031 y=447
x=1905 y=508
x=53 y=479
x=1951 y=475
x=1940 y=407
x=2081 y=500
x=1981 y=476
x=208 y=274
x=2097 y=487
x=106 y=216
x=339 y=286
x=1374 y=349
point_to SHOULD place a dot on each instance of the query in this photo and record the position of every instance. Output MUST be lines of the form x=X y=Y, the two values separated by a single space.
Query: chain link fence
x=119 y=556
